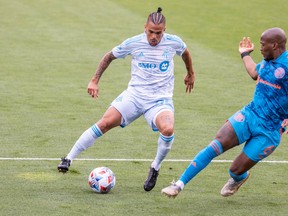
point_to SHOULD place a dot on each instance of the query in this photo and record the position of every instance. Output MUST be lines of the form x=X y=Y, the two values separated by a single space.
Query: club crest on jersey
x=279 y=73
x=166 y=54
x=164 y=66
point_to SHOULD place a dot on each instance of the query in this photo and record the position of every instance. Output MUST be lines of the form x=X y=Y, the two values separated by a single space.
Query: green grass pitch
x=49 y=50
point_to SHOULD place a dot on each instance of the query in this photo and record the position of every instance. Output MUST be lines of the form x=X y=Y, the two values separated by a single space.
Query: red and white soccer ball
x=102 y=180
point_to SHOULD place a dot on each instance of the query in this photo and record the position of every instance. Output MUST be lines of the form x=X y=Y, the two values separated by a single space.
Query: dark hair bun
x=159 y=10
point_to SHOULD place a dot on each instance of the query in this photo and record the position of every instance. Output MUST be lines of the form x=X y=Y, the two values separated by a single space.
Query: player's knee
x=105 y=125
x=168 y=130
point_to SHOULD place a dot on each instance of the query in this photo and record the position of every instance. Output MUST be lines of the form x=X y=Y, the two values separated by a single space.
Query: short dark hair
x=157 y=17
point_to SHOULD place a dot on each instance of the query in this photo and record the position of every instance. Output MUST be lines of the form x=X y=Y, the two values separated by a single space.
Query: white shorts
x=131 y=107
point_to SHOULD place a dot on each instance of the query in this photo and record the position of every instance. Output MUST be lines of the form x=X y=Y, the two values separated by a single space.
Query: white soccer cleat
x=171 y=191
x=231 y=187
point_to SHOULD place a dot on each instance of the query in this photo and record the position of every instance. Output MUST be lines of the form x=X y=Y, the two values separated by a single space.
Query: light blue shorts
x=132 y=107
x=260 y=142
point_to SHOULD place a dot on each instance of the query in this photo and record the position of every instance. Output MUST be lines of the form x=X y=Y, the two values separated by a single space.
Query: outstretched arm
x=190 y=77
x=245 y=48
x=92 y=88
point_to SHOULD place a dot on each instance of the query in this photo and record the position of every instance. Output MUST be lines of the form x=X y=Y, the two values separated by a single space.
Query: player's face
x=267 y=48
x=154 y=32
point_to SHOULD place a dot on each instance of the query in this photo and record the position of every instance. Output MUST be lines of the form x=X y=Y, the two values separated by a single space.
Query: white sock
x=86 y=140
x=180 y=184
x=164 y=146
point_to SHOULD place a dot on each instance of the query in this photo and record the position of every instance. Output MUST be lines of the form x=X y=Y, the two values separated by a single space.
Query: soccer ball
x=102 y=180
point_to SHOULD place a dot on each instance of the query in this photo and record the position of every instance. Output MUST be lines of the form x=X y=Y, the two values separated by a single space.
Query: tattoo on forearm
x=104 y=63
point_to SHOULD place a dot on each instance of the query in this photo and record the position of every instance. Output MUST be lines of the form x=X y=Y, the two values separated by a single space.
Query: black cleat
x=151 y=179
x=64 y=165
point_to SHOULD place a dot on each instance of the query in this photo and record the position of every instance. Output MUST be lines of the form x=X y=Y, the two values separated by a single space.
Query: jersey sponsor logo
x=260 y=80
x=147 y=65
x=279 y=73
x=164 y=66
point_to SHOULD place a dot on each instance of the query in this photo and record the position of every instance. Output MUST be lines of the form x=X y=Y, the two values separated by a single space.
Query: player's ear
x=145 y=27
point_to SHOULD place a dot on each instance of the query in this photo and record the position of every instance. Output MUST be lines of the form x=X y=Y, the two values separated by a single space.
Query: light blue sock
x=201 y=160
x=238 y=178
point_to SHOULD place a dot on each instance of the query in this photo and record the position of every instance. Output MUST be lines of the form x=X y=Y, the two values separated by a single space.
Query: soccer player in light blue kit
x=259 y=124
x=149 y=91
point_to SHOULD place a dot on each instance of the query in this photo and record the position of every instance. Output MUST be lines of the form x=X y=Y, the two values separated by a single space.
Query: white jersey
x=152 y=68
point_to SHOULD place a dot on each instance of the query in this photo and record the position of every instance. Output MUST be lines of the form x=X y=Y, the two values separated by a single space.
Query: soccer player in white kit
x=149 y=91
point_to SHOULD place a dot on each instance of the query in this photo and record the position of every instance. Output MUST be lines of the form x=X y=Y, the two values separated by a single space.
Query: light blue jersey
x=270 y=100
x=152 y=68
x=259 y=123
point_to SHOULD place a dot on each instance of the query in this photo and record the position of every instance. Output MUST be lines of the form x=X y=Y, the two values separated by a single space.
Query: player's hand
x=92 y=89
x=189 y=82
x=245 y=45
x=284 y=124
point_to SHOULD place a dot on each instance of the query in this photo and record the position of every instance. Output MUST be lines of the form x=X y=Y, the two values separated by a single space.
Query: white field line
x=124 y=159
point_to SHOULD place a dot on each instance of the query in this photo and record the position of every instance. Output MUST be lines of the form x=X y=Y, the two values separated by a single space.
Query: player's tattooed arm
x=92 y=88
x=104 y=63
